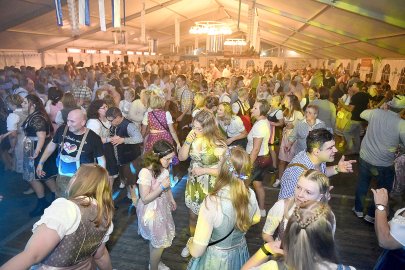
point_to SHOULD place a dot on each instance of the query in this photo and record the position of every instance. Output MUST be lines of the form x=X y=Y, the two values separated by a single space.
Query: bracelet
x=265 y=250
x=162 y=187
x=41 y=163
x=337 y=169
x=187 y=142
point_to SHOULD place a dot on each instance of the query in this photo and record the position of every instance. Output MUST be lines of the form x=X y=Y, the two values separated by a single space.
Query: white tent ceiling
x=318 y=28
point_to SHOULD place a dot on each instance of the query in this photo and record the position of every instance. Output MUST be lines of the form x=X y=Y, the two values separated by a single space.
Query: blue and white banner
x=116 y=12
x=59 y=16
x=101 y=11
x=84 y=12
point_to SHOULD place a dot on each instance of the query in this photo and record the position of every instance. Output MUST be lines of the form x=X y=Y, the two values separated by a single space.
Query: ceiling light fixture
x=73 y=50
x=210 y=28
x=91 y=51
x=104 y=51
x=235 y=42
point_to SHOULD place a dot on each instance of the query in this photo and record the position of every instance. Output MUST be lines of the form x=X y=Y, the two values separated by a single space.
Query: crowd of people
x=76 y=129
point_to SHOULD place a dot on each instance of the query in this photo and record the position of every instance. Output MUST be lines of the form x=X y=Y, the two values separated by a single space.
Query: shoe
x=272 y=170
x=358 y=214
x=161 y=266
x=122 y=185
x=369 y=219
x=262 y=212
x=185 y=252
x=277 y=183
x=42 y=204
x=28 y=191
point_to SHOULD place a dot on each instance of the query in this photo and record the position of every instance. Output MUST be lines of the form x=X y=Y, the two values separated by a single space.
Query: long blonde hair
x=210 y=129
x=91 y=181
x=234 y=170
x=308 y=238
x=227 y=113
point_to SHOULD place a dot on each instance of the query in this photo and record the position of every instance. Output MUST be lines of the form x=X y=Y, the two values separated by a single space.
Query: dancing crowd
x=76 y=130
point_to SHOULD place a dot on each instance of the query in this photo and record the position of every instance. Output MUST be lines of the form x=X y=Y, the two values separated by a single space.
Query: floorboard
x=355 y=239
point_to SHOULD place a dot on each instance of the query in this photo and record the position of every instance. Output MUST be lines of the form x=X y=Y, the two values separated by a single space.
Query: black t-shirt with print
x=92 y=149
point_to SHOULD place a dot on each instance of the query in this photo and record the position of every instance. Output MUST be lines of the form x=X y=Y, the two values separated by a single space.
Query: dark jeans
x=385 y=179
x=391 y=259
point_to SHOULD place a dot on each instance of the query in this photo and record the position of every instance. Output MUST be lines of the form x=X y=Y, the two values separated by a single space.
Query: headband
x=232 y=169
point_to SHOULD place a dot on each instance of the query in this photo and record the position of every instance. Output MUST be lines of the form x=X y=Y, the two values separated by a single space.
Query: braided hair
x=308 y=238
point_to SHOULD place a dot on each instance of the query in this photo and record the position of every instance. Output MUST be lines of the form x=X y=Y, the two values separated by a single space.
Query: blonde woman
x=19 y=106
x=231 y=125
x=159 y=124
x=225 y=216
x=312 y=186
x=87 y=211
x=308 y=242
x=292 y=114
x=204 y=145
x=200 y=102
x=139 y=107
x=276 y=120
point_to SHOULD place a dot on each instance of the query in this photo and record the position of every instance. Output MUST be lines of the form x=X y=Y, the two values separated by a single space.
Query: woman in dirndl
x=38 y=128
x=204 y=145
x=226 y=215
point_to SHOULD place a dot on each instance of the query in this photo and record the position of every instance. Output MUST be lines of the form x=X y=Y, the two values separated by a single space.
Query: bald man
x=77 y=145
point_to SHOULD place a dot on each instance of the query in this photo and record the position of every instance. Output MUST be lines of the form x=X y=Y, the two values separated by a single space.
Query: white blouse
x=63 y=216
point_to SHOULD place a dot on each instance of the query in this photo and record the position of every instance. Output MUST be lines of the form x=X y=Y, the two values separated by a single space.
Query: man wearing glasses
x=126 y=140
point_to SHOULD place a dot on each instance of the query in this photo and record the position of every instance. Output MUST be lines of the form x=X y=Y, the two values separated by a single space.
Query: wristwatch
x=380 y=207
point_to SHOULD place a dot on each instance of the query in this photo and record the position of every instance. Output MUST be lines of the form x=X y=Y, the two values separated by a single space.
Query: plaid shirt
x=290 y=176
x=82 y=92
x=185 y=98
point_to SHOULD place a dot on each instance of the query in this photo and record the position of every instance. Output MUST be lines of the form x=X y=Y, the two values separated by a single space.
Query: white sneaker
x=357 y=213
x=263 y=212
x=161 y=266
x=28 y=191
x=277 y=183
x=185 y=252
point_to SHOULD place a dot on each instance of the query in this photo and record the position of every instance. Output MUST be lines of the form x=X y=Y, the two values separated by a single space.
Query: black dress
x=34 y=123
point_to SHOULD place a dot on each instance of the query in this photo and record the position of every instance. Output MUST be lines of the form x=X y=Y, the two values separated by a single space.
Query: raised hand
x=345 y=166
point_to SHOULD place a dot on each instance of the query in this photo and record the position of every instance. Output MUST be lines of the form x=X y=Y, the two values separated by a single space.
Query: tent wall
x=37 y=60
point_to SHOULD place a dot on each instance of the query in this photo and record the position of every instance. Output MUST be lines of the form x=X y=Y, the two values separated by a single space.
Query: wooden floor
x=355 y=238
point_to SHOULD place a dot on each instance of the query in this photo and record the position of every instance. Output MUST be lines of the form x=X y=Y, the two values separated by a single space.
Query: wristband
x=162 y=187
x=266 y=251
x=40 y=163
x=337 y=169
x=187 y=142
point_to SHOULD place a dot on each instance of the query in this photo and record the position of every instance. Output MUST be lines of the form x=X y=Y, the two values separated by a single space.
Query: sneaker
x=369 y=219
x=161 y=266
x=358 y=214
x=122 y=185
x=277 y=183
x=185 y=252
x=262 y=212
x=28 y=191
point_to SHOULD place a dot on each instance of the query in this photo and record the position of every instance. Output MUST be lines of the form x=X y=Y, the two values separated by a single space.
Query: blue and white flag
x=59 y=16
